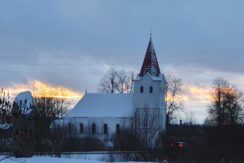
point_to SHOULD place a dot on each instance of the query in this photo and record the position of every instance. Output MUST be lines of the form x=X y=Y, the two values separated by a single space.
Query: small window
x=151 y=89
x=141 y=89
x=81 y=128
x=105 y=128
x=93 y=128
x=117 y=129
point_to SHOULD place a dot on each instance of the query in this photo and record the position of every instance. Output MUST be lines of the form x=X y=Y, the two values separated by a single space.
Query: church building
x=103 y=115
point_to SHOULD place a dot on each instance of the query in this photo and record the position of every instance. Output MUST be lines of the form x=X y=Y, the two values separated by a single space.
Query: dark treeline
x=205 y=143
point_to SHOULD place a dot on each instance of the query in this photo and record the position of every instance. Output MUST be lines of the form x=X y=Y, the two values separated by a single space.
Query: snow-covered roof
x=25 y=102
x=103 y=105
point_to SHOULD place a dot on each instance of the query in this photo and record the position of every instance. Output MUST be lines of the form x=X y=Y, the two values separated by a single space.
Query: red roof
x=150 y=63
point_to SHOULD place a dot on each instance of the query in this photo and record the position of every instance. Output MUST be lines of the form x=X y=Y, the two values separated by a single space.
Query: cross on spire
x=151 y=34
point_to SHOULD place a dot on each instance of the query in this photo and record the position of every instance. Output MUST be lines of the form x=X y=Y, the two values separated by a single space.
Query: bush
x=83 y=144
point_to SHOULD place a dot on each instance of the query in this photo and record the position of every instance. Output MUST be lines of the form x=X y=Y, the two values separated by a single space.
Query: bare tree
x=57 y=138
x=173 y=102
x=50 y=108
x=108 y=83
x=130 y=82
x=122 y=81
x=46 y=110
x=146 y=124
x=125 y=82
x=116 y=81
x=190 y=117
x=226 y=105
x=5 y=107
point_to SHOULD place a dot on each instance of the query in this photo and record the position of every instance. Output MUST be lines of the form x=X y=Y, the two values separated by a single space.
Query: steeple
x=150 y=63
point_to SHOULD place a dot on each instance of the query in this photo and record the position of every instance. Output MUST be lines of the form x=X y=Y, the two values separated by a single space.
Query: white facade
x=83 y=125
x=110 y=112
x=149 y=93
x=100 y=109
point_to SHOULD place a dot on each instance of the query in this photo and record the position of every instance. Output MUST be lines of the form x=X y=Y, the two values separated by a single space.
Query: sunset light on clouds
x=41 y=89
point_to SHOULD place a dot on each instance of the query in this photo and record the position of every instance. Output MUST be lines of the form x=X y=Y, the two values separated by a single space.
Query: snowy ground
x=45 y=159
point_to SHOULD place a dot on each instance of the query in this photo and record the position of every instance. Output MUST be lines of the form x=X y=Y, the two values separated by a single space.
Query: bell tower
x=150 y=85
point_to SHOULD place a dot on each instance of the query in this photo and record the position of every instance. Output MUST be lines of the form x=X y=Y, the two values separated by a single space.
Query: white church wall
x=163 y=119
x=124 y=122
x=151 y=100
x=145 y=98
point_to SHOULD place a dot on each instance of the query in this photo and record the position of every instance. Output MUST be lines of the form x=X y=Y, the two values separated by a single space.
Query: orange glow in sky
x=41 y=89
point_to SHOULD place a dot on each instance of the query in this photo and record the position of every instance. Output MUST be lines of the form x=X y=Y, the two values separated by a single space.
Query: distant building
x=23 y=125
x=102 y=115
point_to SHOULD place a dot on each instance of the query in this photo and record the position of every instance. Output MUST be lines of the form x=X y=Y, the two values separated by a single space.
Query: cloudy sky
x=71 y=43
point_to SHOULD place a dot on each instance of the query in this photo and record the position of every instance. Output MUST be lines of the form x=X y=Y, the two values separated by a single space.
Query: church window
x=117 y=129
x=105 y=128
x=81 y=128
x=93 y=128
x=151 y=89
x=141 y=89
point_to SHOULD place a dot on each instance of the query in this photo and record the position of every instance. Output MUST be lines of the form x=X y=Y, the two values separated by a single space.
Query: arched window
x=141 y=89
x=93 y=128
x=151 y=89
x=105 y=129
x=81 y=128
x=117 y=129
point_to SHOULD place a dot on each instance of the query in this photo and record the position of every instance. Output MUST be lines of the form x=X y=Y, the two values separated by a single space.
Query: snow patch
x=46 y=159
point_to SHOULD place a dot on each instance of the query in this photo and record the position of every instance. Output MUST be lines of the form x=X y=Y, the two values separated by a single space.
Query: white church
x=103 y=115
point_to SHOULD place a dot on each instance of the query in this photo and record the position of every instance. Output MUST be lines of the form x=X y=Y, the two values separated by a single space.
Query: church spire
x=150 y=63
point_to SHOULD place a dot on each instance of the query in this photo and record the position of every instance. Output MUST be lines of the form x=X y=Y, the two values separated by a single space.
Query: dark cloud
x=68 y=42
